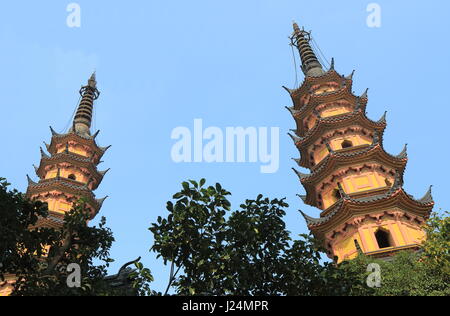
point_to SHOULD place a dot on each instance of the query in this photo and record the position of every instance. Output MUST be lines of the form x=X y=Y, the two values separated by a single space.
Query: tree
x=41 y=258
x=21 y=247
x=192 y=236
x=436 y=249
x=248 y=252
x=213 y=251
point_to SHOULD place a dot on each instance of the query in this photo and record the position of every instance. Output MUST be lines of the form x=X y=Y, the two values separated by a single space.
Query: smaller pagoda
x=69 y=171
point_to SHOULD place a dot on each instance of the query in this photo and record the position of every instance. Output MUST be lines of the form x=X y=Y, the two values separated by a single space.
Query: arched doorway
x=346 y=144
x=383 y=238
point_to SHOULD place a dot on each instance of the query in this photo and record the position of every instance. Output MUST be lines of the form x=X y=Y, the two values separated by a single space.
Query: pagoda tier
x=345 y=168
x=352 y=179
x=324 y=103
x=340 y=132
x=51 y=190
x=69 y=172
x=77 y=143
x=67 y=164
x=354 y=220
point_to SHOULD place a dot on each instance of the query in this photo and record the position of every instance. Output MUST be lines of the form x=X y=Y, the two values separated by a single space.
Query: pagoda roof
x=52 y=220
x=309 y=81
x=66 y=186
x=344 y=93
x=304 y=162
x=357 y=117
x=337 y=160
x=349 y=206
x=71 y=131
x=75 y=160
x=82 y=138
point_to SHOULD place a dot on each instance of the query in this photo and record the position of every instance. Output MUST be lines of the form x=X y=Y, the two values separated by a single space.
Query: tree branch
x=54 y=260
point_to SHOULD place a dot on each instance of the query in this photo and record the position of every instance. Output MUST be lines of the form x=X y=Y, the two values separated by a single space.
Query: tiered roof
x=74 y=159
x=80 y=138
x=349 y=206
x=325 y=124
x=78 y=135
x=305 y=105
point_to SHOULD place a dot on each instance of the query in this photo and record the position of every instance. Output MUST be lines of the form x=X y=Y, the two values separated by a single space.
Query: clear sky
x=162 y=64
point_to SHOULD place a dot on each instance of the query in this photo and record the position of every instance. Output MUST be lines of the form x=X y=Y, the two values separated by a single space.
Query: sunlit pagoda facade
x=355 y=183
x=69 y=171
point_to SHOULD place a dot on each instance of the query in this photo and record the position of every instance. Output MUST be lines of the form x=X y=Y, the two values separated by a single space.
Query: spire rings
x=89 y=90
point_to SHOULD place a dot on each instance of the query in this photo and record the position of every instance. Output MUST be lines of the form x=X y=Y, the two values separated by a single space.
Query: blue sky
x=162 y=64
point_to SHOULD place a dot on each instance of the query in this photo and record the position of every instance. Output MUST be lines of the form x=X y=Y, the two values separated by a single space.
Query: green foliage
x=246 y=252
x=38 y=257
x=256 y=242
x=192 y=237
x=213 y=251
x=436 y=249
x=21 y=247
x=76 y=243
x=142 y=277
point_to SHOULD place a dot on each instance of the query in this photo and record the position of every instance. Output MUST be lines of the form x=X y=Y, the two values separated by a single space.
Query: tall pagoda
x=355 y=183
x=69 y=171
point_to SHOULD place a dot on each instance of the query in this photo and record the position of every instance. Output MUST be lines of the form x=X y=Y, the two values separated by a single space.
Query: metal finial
x=83 y=116
x=310 y=63
x=92 y=82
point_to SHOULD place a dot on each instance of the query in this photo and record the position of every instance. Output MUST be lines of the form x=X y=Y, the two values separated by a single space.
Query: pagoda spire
x=310 y=64
x=83 y=116
x=69 y=171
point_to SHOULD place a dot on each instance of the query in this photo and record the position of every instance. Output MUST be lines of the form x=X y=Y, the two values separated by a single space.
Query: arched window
x=388 y=183
x=72 y=177
x=337 y=194
x=383 y=239
x=346 y=144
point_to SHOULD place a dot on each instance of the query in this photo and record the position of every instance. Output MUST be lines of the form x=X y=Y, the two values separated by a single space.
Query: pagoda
x=355 y=183
x=69 y=171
